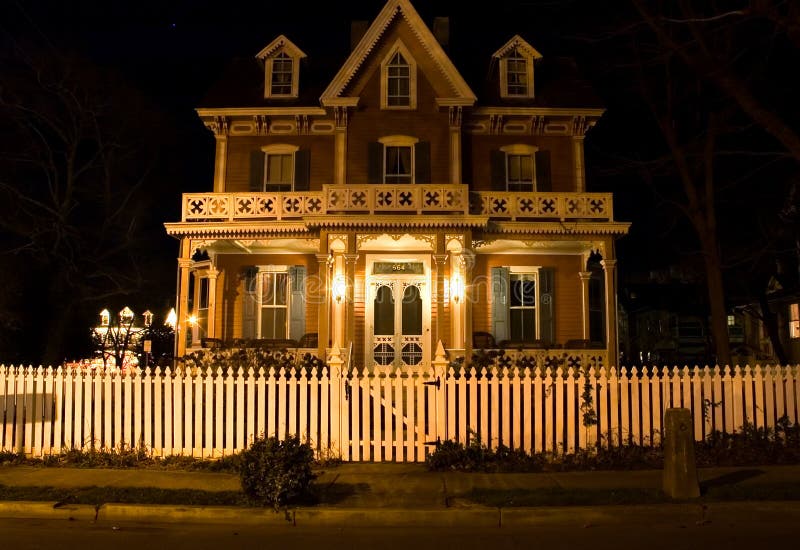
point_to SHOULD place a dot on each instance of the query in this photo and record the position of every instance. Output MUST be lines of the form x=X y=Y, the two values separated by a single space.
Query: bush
x=277 y=473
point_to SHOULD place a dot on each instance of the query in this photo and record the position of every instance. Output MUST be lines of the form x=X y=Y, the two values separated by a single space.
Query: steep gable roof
x=281 y=43
x=520 y=44
x=368 y=42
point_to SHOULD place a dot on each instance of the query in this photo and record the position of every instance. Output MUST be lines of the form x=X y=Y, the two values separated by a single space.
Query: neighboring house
x=389 y=207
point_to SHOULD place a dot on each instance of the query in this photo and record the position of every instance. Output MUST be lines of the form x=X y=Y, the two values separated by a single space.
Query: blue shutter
x=500 y=303
x=249 y=303
x=547 y=295
x=543 y=181
x=497 y=162
x=256 y=171
x=302 y=170
x=297 y=305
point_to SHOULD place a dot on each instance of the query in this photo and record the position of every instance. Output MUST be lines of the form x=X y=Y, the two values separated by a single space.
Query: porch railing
x=395 y=199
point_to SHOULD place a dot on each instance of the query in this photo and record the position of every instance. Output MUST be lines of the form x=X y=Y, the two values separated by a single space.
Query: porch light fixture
x=457 y=287
x=338 y=288
x=192 y=320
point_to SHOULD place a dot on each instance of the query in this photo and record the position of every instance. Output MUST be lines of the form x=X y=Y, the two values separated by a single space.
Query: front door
x=398 y=316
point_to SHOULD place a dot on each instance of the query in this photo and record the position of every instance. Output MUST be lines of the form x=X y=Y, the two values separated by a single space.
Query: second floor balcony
x=344 y=200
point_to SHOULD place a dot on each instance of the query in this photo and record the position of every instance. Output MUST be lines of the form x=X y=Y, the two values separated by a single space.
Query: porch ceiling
x=554 y=246
x=258 y=246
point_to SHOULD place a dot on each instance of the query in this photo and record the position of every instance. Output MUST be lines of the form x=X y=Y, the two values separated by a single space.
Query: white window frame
x=278 y=149
x=794 y=320
x=526 y=271
x=268 y=74
x=515 y=53
x=520 y=150
x=398 y=141
x=279 y=269
x=399 y=47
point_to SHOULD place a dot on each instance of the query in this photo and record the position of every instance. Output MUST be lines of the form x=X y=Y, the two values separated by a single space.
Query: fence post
x=440 y=373
x=335 y=363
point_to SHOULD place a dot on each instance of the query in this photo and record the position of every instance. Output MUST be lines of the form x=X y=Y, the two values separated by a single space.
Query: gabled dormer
x=517 y=59
x=281 y=68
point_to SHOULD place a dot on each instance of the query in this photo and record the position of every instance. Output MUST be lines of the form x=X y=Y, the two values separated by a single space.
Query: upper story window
x=280 y=168
x=516 y=74
x=398 y=82
x=399 y=160
x=398 y=79
x=281 y=75
x=520 y=168
x=281 y=68
x=516 y=59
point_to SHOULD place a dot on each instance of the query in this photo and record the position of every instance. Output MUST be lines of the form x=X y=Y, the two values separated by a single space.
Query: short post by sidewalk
x=680 y=471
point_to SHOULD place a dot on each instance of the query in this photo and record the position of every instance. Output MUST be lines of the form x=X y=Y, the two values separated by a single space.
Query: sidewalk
x=396 y=494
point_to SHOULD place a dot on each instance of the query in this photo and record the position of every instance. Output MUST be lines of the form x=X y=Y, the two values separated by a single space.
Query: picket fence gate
x=386 y=416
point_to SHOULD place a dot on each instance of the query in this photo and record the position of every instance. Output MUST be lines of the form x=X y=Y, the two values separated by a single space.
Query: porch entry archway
x=398 y=311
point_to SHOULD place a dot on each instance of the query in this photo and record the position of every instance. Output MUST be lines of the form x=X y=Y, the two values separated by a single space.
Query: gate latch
x=432 y=383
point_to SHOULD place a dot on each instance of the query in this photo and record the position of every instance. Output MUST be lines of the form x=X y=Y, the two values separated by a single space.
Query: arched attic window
x=398 y=79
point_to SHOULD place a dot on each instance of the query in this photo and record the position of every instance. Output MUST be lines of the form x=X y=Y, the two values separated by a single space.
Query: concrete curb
x=50 y=510
x=573 y=516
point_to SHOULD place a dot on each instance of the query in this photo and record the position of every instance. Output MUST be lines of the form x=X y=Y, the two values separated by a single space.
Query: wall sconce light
x=192 y=320
x=338 y=289
x=457 y=288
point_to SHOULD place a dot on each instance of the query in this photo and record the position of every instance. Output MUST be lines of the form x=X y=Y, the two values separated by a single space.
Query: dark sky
x=173 y=51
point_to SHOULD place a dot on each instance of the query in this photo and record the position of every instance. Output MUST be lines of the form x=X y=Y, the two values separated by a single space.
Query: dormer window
x=516 y=68
x=516 y=74
x=398 y=79
x=281 y=68
x=281 y=75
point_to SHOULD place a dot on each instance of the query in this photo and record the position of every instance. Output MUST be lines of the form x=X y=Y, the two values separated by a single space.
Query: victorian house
x=386 y=204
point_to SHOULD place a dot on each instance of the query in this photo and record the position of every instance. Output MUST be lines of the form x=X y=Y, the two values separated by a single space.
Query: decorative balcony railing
x=395 y=199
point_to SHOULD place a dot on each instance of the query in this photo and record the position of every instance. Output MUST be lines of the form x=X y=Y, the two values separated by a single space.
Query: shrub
x=277 y=472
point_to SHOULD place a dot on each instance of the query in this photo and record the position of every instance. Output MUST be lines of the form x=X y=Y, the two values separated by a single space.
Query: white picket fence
x=388 y=416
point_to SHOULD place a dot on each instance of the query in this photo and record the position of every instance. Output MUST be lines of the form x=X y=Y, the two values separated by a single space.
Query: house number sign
x=398 y=268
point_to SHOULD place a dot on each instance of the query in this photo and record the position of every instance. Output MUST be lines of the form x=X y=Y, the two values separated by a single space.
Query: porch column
x=585 y=277
x=349 y=313
x=577 y=159
x=211 y=332
x=610 y=267
x=457 y=306
x=182 y=304
x=322 y=301
x=340 y=145
x=468 y=263
x=440 y=261
x=455 y=144
x=220 y=162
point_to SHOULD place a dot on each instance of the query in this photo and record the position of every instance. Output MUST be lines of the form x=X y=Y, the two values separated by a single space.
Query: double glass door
x=398 y=320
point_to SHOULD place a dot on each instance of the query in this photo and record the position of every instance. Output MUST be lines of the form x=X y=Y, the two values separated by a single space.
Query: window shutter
x=542 y=161
x=422 y=162
x=249 y=303
x=297 y=313
x=500 y=289
x=547 y=328
x=498 y=165
x=302 y=170
x=256 y=171
x=375 y=162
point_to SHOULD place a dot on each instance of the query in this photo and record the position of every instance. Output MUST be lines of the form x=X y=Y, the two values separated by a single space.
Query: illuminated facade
x=391 y=208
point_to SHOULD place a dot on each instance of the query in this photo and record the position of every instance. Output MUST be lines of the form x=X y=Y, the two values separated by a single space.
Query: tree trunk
x=716 y=302
x=770 y=321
